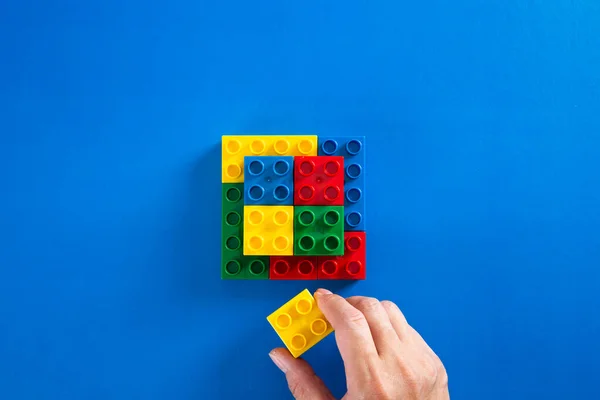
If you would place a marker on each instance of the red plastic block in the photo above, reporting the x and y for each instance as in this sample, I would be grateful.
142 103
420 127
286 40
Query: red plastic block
352 265
293 267
319 181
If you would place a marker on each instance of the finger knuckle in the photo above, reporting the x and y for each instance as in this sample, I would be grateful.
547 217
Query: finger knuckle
355 317
388 305
368 304
412 383
391 307
442 376
430 372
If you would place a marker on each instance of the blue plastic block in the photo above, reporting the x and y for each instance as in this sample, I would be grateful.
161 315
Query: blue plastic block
269 180
352 148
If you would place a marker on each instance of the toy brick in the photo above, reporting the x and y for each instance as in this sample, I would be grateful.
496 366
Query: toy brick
293 268
235 148
352 148
319 181
269 180
318 230
234 265
300 324
269 230
352 265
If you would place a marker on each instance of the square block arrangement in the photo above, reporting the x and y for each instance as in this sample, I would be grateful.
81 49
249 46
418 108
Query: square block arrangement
300 324
290 214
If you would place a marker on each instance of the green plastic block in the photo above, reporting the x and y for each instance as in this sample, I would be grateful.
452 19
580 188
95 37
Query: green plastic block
319 230
234 265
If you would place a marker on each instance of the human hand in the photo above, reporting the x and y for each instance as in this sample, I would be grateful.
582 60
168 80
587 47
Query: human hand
384 357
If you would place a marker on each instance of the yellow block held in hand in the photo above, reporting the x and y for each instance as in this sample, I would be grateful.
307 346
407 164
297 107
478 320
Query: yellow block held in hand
300 324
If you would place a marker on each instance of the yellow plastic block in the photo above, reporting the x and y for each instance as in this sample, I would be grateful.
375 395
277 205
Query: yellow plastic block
300 324
269 230
235 148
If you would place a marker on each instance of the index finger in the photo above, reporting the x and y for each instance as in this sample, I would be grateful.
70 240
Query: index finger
352 332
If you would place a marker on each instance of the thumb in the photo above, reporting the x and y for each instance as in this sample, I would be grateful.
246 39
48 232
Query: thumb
301 378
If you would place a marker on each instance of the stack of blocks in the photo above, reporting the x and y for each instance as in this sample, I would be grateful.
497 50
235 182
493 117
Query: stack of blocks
293 207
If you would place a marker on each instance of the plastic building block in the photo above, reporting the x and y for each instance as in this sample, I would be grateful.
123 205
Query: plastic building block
300 324
319 181
235 148
352 265
352 148
269 230
269 180
318 230
293 267
234 265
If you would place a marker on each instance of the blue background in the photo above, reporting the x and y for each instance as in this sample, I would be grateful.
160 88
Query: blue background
482 121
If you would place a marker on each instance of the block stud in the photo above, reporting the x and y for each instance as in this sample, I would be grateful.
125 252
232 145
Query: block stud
298 342
281 168
281 267
256 243
281 193
318 327
306 147
330 267
354 243
233 218
257 267
234 195
332 167
307 243
353 267
353 195
232 243
283 321
282 146
233 267
303 306
234 171
332 243
353 219
256 192
256 217
257 146
353 171
306 267
256 168
280 243
353 147
329 147
233 146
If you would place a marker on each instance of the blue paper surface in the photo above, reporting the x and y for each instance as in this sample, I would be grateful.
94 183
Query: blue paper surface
483 185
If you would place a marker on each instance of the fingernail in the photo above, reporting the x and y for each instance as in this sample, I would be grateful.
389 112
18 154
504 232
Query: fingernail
278 361
322 292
